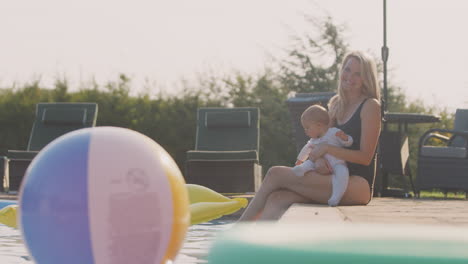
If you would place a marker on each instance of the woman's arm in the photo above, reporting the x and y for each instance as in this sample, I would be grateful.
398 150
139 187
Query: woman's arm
370 131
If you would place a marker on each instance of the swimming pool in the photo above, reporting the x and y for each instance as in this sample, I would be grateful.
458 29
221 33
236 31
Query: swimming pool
196 245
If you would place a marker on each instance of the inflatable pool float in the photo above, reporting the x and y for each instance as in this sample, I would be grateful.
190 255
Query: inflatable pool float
333 243
8 213
205 205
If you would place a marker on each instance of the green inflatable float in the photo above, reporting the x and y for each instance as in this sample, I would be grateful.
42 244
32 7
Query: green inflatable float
338 243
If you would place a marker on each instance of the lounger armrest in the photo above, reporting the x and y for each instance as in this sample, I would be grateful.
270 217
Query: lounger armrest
438 136
435 132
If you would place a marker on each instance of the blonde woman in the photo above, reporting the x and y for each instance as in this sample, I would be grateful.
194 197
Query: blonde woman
355 110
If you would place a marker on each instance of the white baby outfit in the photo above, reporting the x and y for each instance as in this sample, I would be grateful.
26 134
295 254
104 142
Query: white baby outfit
340 175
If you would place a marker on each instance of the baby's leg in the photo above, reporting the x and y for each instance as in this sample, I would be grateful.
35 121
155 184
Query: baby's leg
340 180
300 170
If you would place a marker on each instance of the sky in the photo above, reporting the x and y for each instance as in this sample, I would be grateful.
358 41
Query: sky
158 42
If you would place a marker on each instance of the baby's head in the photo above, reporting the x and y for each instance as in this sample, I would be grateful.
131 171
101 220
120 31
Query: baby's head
315 121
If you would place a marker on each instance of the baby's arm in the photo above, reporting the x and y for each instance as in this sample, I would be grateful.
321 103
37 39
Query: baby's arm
304 153
345 140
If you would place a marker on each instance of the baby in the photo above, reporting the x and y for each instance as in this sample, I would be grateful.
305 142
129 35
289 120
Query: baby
315 121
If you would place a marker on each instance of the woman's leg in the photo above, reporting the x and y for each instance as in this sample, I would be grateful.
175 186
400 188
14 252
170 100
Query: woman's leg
357 193
313 186
278 202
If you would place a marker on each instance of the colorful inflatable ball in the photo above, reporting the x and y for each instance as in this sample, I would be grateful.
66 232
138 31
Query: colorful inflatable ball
103 195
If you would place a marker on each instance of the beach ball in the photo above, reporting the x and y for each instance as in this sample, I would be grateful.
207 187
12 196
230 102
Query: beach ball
103 195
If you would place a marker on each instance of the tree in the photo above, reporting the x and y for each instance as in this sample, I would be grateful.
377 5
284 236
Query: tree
312 64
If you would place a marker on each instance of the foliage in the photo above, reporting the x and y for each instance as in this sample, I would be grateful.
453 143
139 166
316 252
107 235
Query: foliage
436 194
312 65
313 62
266 93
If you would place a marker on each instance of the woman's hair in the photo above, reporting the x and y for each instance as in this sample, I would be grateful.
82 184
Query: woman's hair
370 83
316 113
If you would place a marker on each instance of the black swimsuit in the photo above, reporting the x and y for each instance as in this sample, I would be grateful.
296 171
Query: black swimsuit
353 128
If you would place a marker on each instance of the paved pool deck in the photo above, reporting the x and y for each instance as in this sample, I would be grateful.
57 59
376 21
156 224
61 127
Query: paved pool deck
8 196
453 212
450 212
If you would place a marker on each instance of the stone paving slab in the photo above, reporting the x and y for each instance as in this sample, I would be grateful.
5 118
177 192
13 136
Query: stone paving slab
312 212
386 210
8 196
411 211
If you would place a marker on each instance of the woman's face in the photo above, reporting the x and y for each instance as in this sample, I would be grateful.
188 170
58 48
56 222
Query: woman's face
351 79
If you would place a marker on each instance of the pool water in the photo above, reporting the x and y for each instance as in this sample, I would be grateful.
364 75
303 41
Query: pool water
196 245
198 241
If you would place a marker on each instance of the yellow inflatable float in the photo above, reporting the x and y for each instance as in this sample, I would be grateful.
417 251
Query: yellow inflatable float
8 215
205 205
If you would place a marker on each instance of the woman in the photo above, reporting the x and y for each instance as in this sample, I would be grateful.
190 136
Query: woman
355 110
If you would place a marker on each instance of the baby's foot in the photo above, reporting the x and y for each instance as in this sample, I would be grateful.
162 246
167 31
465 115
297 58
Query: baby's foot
299 171
333 202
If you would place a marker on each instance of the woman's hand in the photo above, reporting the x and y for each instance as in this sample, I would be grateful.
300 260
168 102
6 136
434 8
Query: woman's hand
342 135
323 167
318 151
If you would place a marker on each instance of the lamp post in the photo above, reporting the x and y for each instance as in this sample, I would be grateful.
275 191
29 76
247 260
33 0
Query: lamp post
383 176
384 52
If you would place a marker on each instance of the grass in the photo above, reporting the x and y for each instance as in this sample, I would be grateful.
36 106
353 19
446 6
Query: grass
441 195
